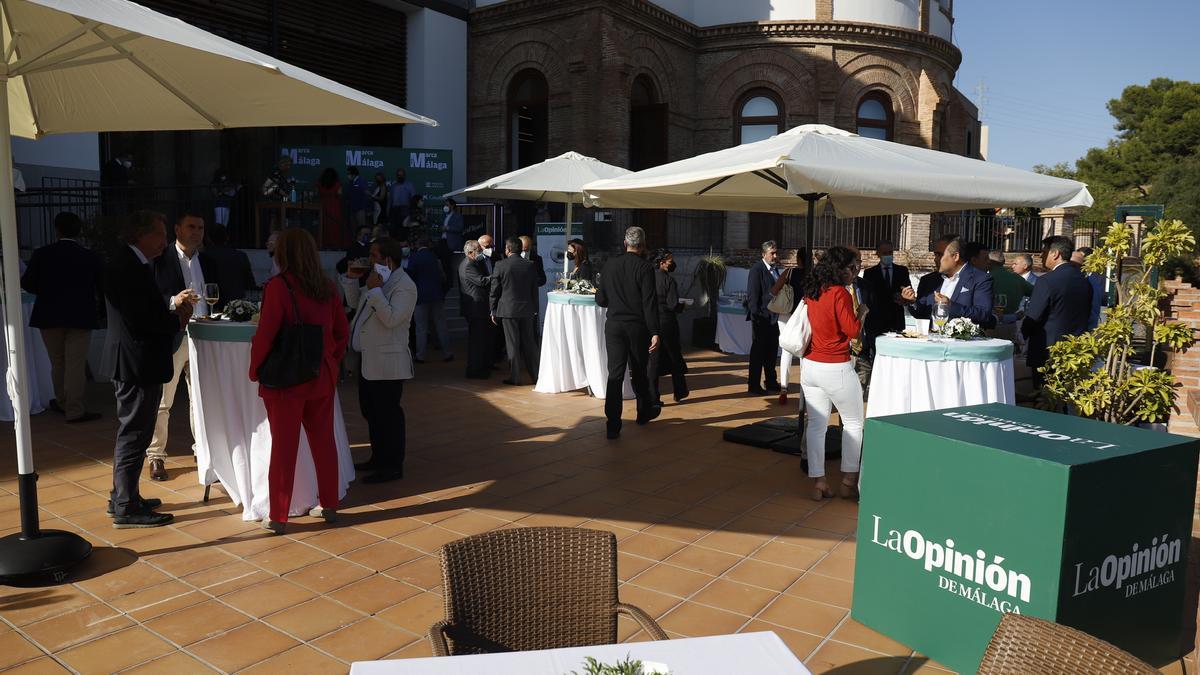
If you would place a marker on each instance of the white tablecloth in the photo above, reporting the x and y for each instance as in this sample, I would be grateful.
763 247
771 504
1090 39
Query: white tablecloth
41 386
574 355
718 655
233 438
966 373
734 334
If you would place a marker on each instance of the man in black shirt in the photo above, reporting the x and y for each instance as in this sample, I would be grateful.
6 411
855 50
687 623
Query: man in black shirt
631 330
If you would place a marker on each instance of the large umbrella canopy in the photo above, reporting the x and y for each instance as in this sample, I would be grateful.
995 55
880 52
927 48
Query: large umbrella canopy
860 176
558 179
112 65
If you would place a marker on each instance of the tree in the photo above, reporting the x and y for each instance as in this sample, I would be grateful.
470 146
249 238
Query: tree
1153 159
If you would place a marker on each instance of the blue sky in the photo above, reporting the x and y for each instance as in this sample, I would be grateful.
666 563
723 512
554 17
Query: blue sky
1050 66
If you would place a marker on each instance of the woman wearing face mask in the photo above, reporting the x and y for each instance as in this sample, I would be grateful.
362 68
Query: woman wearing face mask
578 253
668 358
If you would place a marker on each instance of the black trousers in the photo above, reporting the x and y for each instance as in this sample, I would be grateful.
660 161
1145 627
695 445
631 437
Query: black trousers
628 344
137 410
379 402
667 359
480 345
520 341
764 352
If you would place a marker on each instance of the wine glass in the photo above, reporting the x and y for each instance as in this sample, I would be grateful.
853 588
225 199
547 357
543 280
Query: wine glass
941 314
212 293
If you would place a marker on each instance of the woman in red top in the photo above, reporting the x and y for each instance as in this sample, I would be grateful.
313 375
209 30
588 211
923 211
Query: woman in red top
827 375
309 404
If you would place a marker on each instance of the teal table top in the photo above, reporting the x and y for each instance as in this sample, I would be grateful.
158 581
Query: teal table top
731 309
571 299
979 350
221 331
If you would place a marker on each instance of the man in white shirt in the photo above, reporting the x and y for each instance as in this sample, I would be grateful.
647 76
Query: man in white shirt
181 272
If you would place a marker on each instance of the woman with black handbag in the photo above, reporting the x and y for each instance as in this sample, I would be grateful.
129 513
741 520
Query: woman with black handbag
295 356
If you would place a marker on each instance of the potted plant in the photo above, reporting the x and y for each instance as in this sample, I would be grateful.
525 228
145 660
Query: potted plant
710 276
1095 372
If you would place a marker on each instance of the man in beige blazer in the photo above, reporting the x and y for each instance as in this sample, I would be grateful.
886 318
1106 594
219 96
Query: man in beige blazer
380 334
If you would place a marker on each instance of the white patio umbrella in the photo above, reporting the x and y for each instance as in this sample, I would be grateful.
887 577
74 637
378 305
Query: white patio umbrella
112 65
558 179
859 176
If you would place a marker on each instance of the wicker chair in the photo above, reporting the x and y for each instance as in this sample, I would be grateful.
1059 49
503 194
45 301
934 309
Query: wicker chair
1023 645
531 588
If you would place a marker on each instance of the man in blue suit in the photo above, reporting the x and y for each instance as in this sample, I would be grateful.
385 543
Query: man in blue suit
764 324
1059 306
964 287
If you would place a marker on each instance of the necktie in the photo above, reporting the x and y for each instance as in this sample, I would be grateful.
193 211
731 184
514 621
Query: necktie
775 273
887 274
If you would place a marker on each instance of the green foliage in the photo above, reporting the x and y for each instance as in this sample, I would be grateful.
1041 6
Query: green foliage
1154 160
1094 372
593 667
710 274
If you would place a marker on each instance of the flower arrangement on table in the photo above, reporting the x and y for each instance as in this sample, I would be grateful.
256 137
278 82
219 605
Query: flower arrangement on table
579 287
961 328
627 667
241 310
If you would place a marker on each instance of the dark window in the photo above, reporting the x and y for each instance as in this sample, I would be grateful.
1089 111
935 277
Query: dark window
875 117
529 119
648 130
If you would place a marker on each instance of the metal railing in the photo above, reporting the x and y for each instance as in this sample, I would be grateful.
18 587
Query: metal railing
829 230
1018 234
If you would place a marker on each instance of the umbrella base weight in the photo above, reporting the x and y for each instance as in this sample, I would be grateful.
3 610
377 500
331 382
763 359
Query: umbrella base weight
47 556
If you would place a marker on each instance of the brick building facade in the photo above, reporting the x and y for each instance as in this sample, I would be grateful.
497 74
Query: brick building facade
634 85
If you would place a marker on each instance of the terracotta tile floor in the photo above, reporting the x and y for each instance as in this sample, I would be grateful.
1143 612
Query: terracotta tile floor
713 537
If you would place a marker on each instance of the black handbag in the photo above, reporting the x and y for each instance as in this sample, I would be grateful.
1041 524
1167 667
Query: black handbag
295 356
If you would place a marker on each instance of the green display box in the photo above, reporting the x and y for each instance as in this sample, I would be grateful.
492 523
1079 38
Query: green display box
967 513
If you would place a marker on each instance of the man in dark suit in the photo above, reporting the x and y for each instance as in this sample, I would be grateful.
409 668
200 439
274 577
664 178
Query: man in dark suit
966 289
882 285
473 301
181 273
928 283
514 305
764 324
631 329
66 278
528 254
490 256
143 333
1059 305
231 267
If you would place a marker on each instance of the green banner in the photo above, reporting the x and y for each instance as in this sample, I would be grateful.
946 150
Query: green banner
431 171
973 512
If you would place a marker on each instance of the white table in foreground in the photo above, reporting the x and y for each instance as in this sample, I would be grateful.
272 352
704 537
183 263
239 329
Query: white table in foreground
718 655
574 355
233 438
37 364
917 375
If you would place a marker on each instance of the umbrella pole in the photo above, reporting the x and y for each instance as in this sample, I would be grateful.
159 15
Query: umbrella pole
33 552
567 240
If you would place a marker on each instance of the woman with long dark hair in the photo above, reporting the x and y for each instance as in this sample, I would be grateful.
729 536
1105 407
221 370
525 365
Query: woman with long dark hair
577 252
302 284
333 225
827 374
668 358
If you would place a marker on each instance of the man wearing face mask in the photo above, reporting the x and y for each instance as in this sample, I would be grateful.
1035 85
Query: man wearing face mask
884 283
452 226
487 253
473 290
528 254
380 334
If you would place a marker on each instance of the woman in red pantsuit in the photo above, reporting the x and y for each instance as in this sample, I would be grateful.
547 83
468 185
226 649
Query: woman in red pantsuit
309 404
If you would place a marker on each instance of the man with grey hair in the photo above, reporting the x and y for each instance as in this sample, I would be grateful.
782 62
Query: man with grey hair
764 324
473 300
513 290
1022 265
631 330
142 333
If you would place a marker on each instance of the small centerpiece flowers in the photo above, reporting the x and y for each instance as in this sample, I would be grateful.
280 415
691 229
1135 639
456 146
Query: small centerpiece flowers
961 328
241 310
580 287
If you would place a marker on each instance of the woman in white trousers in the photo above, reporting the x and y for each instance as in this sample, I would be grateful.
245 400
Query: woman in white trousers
827 374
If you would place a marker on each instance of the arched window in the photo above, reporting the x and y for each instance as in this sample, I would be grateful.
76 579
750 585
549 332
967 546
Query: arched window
875 118
648 145
759 116
528 119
